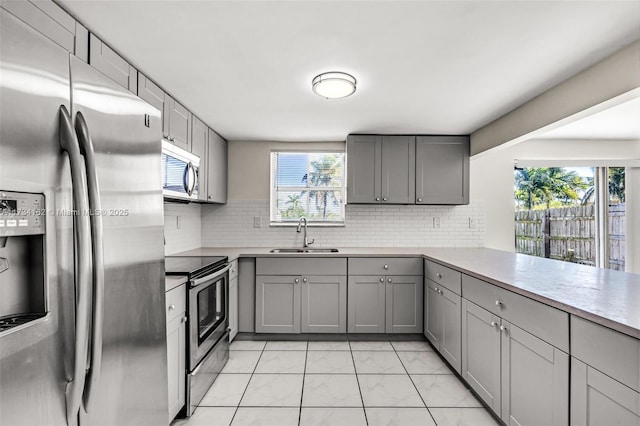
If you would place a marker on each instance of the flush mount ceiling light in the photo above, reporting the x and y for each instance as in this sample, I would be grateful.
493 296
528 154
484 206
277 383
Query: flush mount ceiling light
334 85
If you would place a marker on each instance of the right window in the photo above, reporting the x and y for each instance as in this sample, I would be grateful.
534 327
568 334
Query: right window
575 214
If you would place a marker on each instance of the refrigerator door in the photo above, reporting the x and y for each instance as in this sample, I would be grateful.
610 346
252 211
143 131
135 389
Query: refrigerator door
126 136
36 360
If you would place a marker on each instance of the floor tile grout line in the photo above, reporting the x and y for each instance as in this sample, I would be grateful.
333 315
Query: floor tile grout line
248 383
304 375
415 387
364 410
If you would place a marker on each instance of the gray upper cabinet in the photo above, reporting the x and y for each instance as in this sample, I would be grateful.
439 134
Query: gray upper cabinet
53 22
177 122
199 143
381 169
153 94
442 170
216 169
114 66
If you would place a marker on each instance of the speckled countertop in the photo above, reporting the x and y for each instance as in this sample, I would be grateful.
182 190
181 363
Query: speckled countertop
607 297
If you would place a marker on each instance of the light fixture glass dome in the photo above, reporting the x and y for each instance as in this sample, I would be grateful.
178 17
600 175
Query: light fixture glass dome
334 85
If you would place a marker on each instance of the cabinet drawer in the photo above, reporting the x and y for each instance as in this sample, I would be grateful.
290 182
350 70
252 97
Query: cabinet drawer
176 302
233 271
547 323
446 277
385 266
301 266
613 353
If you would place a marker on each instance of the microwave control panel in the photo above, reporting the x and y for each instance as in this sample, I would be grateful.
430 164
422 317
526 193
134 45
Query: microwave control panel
21 213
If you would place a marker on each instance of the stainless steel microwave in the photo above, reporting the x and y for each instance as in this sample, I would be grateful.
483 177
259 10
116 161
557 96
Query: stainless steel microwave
180 173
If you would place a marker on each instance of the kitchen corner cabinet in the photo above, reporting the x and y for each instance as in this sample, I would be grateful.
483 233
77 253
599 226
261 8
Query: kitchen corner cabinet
442 317
385 295
216 169
296 295
199 142
52 21
114 66
381 169
177 123
442 170
233 300
522 378
176 349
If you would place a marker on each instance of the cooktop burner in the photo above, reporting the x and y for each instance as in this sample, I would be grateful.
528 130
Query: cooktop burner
193 265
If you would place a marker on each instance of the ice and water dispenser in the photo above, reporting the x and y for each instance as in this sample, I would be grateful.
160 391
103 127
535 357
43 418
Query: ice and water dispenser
22 258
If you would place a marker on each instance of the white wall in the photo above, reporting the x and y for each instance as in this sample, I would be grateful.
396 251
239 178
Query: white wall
189 236
492 179
366 225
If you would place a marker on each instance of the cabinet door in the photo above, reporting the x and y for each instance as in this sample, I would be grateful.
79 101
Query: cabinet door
432 315
398 169
153 94
178 121
366 301
324 304
114 66
442 170
535 380
404 304
199 137
364 165
176 366
233 308
599 400
277 304
217 169
481 353
451 339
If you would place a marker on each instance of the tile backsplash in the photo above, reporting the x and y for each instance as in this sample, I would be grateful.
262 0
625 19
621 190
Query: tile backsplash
189 235
232 225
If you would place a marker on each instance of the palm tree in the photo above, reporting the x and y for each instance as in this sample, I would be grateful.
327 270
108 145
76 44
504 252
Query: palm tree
294 209
326 170
616 186
546 184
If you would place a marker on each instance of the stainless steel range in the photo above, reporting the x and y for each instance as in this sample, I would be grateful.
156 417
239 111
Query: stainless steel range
208 321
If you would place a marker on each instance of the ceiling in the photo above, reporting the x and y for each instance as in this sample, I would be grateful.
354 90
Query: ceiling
245 67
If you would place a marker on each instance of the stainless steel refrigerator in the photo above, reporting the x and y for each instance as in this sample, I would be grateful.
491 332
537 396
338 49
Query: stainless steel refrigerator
92 275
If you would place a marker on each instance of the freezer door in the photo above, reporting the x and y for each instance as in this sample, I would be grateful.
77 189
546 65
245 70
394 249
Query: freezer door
126 136
34 83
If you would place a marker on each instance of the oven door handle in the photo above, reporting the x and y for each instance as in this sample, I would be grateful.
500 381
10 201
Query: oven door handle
212 277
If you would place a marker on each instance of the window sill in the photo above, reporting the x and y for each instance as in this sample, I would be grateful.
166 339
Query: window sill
309 225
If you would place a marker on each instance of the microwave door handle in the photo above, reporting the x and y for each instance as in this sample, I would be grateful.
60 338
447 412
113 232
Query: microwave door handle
82 231
97 247
187 180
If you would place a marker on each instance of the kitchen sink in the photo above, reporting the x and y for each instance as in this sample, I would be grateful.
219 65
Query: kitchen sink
304 250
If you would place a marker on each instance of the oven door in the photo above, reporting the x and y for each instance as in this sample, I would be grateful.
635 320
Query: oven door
208 313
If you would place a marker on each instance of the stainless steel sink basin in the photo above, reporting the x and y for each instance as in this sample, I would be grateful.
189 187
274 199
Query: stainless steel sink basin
304 250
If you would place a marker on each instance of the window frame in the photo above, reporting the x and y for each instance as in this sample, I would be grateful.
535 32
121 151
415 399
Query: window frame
273 189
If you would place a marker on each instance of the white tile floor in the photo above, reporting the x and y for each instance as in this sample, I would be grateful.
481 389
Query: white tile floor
337 383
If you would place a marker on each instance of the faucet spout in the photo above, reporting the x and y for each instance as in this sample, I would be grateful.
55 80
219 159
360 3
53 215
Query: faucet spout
302 223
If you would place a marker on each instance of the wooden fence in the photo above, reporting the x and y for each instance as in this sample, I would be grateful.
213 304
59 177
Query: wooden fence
570 234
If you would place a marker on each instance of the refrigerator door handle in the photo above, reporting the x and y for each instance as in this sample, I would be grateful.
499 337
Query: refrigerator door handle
82 231
97 233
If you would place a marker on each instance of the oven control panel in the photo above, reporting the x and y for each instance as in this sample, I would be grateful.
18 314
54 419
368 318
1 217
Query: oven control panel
21 213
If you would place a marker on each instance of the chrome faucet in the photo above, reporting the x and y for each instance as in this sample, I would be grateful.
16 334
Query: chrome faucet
303 222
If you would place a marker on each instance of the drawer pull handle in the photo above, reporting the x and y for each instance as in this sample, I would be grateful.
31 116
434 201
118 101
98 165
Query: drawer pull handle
389 280
381 280
498 303
439 275
503 328
386 266
384 199
437 290
419 200
441 292
377 198
172 307
493 323
297 280
304 280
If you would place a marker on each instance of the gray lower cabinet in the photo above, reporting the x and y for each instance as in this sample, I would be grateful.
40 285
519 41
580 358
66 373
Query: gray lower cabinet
301 302
385 304
442 170
381 169
599 400
442 326
199 142
176 348
277 304
177 123
216 168
522 378
233 300
114 66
